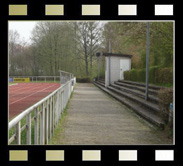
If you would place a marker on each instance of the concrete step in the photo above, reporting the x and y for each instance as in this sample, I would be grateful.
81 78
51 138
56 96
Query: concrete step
136 87
145 113
141 84
135 92
100 83
146 104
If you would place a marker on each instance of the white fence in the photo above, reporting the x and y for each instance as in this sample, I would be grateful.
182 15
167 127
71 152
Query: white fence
45 114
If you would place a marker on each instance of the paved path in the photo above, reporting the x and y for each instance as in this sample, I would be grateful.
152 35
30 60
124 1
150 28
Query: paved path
95 118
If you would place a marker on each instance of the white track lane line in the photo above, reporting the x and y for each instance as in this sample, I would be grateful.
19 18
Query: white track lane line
13 84
24 87
36 87
31 95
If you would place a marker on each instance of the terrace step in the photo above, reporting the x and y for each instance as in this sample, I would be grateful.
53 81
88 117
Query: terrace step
147 114
141 84
137 87
102 81
135 92
142 102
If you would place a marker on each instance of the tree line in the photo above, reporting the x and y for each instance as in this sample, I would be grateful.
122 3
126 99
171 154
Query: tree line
72 46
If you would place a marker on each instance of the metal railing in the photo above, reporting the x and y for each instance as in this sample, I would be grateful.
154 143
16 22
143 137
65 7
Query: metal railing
45 114
65 76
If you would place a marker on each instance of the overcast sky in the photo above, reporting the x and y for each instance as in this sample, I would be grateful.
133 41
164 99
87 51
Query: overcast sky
24 28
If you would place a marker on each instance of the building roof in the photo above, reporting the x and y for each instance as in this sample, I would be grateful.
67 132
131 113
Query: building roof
120 55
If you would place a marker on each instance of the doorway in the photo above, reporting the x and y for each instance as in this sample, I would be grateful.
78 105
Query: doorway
124 66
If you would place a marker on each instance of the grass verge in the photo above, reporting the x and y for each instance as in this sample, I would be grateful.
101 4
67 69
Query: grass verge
59 129
23 133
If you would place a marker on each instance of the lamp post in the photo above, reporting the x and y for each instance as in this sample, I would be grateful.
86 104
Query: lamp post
110 51
98 56
147 62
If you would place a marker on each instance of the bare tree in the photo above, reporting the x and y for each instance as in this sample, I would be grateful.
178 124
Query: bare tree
89 37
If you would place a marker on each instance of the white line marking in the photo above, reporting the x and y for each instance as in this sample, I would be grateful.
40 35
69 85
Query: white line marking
13 84
31 94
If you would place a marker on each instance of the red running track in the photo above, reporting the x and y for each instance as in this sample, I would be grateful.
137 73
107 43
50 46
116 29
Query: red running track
24 95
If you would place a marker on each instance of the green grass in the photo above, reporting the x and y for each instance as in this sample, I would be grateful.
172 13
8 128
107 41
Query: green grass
168 85
59 127
23 133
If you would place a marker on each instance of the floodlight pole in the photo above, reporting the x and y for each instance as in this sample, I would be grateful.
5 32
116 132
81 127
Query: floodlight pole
110 62
147 62
98 69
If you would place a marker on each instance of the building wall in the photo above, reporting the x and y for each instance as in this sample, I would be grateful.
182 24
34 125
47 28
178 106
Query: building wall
115 69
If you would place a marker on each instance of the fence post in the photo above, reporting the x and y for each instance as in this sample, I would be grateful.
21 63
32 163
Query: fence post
60 109
46 122
36 130
62 103
57 102
51 118
29 129
18 133
42 124
53 106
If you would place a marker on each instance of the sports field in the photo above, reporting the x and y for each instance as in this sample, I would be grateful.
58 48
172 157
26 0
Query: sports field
24 95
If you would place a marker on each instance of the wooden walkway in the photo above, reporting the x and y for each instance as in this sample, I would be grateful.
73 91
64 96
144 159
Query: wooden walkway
95 118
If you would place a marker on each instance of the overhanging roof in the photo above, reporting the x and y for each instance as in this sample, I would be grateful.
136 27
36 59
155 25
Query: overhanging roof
120 55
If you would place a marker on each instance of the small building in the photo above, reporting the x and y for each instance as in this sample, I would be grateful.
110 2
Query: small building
115 65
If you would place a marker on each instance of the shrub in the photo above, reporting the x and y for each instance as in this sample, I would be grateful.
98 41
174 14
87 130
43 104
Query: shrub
83 80
141 75
164 75
157 75
165 98
153 71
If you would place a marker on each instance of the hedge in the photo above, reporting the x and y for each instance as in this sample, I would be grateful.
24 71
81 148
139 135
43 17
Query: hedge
157 75
165 98
83 80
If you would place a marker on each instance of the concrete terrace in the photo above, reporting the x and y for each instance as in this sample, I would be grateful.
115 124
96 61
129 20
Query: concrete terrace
95 118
